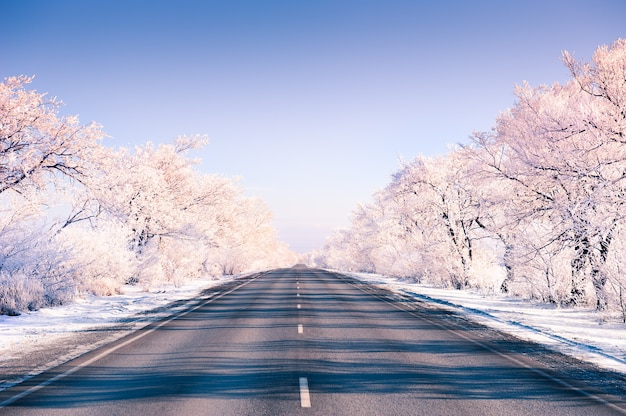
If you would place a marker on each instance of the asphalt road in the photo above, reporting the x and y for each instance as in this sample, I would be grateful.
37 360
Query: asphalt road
303 341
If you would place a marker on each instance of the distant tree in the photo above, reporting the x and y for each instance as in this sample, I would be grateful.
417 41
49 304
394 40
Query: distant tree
182 223
434 203
426 224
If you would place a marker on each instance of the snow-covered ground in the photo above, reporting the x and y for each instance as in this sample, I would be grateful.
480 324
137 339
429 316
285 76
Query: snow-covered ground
43 326
582 333
577 332
31 343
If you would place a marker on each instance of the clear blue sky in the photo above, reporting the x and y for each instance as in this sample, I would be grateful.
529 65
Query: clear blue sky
312 103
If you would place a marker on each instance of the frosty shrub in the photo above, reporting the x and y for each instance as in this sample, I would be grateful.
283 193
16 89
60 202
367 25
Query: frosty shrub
42 277
19 293
99 255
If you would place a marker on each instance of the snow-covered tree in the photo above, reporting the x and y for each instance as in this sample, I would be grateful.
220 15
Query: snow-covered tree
542 195
562 152
37 145
425 225
180 222
41 154
76 216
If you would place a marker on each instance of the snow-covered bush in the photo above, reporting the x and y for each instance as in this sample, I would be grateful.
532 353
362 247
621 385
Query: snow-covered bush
40 274
100 256
19 293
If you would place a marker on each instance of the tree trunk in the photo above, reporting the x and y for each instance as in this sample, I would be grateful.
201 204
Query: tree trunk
508 266
578 264
598 275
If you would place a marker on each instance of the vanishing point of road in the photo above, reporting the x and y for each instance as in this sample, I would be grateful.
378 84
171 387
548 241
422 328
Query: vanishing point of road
309 342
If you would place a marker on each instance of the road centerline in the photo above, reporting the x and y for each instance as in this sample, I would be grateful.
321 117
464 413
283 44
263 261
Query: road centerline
305 397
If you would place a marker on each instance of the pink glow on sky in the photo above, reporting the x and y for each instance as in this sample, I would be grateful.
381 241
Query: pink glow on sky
312 103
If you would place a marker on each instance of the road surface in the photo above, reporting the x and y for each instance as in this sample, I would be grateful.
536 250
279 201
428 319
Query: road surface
304 341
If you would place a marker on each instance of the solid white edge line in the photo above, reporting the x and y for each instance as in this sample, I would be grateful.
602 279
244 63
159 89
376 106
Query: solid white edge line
110 350
305 397
536 370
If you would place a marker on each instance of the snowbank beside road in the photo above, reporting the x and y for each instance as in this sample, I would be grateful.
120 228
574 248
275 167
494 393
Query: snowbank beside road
35 341
581 333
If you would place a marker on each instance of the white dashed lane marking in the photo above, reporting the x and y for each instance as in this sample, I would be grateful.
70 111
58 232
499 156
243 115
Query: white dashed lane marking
305 397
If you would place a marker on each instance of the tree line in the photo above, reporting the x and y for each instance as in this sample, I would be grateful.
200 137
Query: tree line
533 208
80 217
